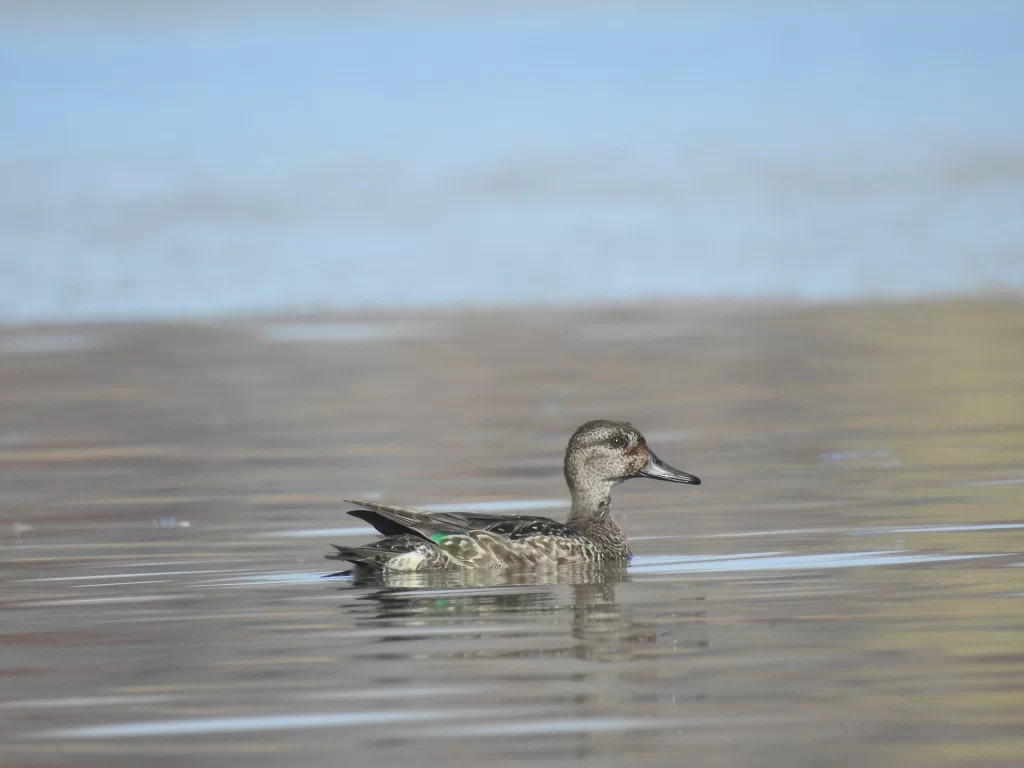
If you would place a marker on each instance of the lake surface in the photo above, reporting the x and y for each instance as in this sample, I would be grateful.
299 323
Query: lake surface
845 588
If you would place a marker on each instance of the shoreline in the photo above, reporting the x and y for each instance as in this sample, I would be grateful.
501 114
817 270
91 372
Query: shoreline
596 308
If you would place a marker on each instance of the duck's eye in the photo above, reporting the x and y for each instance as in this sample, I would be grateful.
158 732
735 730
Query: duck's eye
617 442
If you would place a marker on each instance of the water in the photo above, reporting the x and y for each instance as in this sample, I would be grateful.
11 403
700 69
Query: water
163 160
845 587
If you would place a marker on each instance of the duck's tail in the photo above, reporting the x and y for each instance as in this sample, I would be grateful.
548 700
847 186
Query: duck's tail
363 557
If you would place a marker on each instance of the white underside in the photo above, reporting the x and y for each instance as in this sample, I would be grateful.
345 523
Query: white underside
410 561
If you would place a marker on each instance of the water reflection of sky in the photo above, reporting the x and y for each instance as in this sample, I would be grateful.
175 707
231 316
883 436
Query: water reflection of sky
336 160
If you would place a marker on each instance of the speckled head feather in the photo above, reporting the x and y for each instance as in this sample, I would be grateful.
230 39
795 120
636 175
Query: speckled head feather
604 452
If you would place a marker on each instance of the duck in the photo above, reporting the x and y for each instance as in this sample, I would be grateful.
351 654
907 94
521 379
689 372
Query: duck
600 455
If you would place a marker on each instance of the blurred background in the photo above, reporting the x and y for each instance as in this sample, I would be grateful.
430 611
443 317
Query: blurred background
167 159
259 257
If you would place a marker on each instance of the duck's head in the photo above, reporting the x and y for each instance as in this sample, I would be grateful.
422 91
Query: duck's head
603 453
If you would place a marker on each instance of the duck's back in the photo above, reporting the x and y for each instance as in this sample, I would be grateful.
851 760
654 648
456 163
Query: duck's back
417 539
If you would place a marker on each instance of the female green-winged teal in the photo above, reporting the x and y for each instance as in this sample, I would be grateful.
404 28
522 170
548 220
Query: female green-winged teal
600 455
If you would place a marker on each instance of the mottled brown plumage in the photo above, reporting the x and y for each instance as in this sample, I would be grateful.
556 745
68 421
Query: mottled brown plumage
600 455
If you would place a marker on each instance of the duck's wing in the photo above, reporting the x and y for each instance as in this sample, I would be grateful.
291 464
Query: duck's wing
519 526
397 521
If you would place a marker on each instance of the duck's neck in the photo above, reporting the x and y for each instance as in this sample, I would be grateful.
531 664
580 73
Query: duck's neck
591 504
592 515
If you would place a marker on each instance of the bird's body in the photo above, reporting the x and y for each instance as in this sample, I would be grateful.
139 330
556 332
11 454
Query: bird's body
421 540
600 454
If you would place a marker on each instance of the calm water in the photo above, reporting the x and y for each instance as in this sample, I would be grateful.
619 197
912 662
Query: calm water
846 588
163 160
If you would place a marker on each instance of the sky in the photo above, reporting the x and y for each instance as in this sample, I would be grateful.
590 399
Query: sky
186 164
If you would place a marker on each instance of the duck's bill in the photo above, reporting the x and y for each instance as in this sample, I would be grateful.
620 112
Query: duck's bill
656 469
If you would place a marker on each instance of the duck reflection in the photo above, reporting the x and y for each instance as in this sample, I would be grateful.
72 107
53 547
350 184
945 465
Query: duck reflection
503 613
